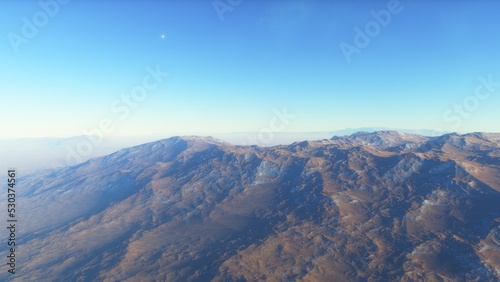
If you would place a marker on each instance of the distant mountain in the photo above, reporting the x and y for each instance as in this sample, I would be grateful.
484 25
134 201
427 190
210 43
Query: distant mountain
424 132
286 138
381 139
383 206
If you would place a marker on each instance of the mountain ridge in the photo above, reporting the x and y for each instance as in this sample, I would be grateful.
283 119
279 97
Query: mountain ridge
196 209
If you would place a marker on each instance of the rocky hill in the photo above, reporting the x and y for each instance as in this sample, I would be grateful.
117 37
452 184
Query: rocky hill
382 206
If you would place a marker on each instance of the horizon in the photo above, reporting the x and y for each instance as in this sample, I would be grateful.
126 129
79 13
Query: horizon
296 66
242 138
340 132
181 134
37 154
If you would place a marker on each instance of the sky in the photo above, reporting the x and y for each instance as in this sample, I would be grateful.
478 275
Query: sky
124 68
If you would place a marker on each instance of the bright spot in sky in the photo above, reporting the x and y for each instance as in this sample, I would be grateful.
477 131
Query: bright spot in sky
163 36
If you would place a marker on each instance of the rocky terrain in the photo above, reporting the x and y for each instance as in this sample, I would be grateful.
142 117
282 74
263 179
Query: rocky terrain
382 206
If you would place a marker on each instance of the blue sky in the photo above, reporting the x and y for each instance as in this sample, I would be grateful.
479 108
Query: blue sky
231 74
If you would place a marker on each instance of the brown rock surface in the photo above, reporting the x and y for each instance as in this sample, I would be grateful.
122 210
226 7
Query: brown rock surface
379 206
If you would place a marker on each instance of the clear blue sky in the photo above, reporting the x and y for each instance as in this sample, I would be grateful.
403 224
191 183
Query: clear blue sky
229 75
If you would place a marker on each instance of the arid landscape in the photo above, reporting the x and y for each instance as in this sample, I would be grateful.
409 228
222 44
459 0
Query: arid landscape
238 140
383 206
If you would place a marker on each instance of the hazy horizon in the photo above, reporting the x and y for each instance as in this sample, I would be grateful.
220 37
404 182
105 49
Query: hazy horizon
341 132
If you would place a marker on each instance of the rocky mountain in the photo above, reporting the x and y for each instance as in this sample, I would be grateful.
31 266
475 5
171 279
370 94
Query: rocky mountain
383 206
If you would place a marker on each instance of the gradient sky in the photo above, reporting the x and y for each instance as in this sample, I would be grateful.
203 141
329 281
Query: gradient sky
231 75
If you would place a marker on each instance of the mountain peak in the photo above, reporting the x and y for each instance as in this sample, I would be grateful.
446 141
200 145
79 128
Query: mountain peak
198 139
380 139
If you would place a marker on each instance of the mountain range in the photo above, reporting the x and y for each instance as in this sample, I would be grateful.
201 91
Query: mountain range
381 206
36 154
